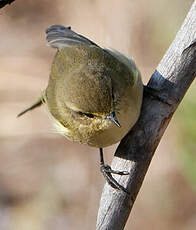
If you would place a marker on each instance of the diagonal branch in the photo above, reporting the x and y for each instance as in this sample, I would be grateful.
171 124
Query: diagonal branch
5 2
171 80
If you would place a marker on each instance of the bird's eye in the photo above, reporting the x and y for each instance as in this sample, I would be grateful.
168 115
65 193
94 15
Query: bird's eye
90 115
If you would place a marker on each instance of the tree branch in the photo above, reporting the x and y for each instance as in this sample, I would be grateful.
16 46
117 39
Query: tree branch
171 80
5 2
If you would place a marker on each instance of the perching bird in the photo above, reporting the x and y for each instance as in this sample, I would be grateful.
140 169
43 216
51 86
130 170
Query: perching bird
93 94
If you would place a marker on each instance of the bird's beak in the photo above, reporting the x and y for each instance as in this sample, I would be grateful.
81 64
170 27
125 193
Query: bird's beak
112 117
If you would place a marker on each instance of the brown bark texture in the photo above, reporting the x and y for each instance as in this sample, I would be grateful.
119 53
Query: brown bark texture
168 84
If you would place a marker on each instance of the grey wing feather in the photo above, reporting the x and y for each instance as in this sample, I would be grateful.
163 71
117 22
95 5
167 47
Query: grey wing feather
59 36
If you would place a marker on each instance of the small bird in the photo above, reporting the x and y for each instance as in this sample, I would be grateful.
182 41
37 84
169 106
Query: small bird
94 95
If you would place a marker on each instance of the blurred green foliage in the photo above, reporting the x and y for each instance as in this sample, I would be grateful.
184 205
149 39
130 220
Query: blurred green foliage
186 116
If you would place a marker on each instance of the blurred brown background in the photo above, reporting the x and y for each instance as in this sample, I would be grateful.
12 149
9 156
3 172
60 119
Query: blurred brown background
47 182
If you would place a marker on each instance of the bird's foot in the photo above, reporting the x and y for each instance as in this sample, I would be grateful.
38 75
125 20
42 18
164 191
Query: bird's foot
107 172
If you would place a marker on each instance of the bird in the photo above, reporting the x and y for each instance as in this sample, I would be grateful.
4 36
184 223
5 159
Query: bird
94 94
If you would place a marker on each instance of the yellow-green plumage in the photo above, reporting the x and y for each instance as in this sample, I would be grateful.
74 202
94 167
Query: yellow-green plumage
87 84
83 79
93 94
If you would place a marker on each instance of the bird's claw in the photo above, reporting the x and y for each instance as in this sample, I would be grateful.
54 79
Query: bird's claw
107 172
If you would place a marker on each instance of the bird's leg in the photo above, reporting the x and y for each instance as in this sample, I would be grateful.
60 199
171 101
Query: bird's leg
107 173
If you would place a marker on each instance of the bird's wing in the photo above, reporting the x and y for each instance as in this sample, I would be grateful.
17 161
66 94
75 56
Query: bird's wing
59 36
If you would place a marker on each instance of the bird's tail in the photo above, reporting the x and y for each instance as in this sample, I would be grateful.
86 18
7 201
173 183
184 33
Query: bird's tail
59 36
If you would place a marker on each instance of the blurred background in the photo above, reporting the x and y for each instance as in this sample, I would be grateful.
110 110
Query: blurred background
48 182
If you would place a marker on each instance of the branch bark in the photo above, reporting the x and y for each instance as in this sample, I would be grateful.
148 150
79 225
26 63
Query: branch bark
5 2
171 80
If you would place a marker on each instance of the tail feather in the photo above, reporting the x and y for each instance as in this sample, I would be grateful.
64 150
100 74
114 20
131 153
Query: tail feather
59 36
